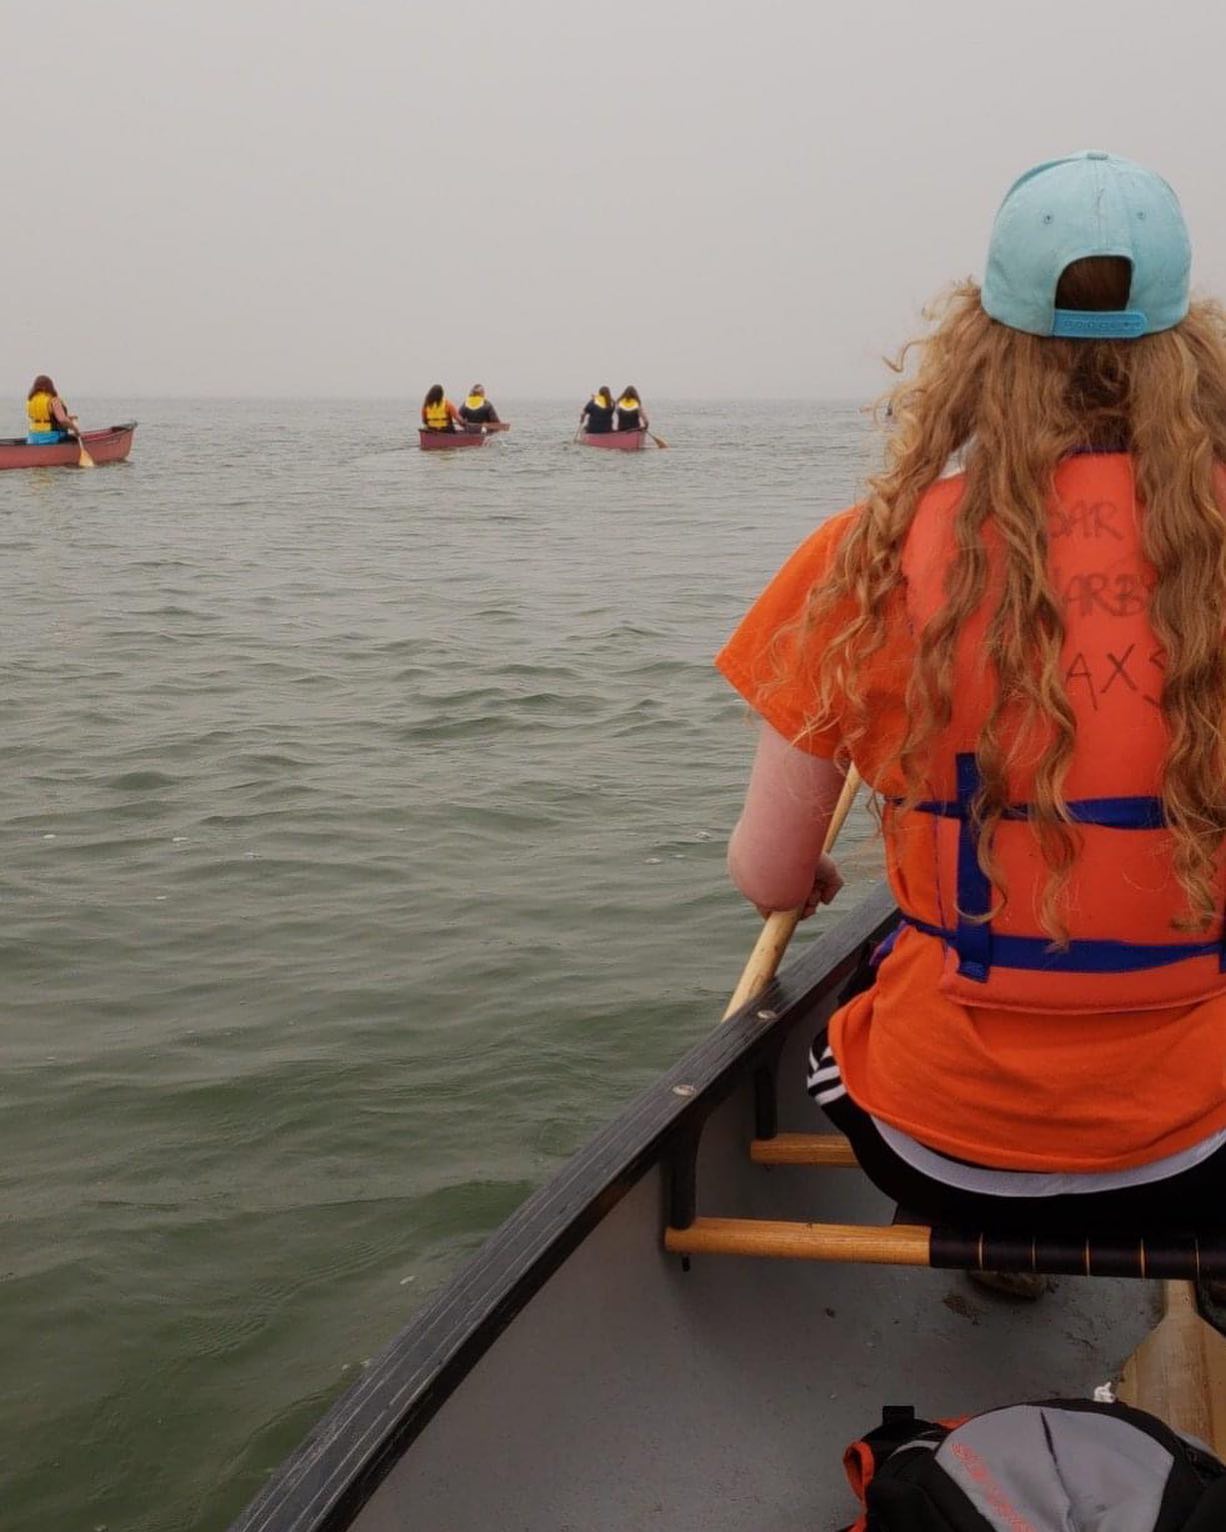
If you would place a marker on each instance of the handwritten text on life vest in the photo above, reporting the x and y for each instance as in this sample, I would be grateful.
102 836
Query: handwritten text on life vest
1113 592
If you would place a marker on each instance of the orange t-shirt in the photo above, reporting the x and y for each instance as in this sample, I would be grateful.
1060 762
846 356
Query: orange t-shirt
1014 1090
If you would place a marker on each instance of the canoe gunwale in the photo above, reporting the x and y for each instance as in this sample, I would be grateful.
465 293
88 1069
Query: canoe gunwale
86 436
324 1484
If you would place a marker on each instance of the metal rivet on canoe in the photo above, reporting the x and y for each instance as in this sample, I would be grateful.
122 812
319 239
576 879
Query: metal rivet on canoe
684 1090
768 1015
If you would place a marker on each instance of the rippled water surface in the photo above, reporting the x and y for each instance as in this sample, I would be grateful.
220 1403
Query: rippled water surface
363 819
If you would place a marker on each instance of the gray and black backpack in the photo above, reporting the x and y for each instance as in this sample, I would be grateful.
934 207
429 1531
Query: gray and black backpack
1060 1465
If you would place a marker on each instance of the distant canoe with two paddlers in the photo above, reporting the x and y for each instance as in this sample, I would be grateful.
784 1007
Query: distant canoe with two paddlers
111 445
477 436
618 441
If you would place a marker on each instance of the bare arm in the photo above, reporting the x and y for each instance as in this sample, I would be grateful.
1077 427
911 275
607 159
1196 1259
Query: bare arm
775 854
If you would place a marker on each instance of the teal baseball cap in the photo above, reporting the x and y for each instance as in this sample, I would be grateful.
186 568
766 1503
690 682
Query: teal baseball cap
1090 203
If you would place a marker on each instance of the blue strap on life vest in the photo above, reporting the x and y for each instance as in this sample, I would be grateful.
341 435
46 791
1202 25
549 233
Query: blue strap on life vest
884 947
973 938
1096 956
1110 813
979 947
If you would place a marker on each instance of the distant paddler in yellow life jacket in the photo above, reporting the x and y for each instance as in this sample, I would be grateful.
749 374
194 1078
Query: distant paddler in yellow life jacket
631 416
437 411
477 411
47 417
596 417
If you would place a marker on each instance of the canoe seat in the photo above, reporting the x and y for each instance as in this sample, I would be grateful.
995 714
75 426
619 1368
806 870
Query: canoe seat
829 1149
911 1243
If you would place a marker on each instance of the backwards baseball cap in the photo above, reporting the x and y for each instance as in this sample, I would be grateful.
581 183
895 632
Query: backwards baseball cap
1091 203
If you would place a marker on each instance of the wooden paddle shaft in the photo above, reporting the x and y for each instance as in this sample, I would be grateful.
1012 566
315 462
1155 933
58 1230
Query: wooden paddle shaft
84 460
777 932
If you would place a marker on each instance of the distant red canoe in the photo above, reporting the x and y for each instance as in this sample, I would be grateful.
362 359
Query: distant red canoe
619 441
109 446
475 436
445 441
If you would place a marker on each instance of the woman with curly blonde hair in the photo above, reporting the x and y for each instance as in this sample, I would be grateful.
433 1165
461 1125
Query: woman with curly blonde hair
1019 639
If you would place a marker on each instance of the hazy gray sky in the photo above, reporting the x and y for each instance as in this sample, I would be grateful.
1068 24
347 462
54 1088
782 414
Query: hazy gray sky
307 197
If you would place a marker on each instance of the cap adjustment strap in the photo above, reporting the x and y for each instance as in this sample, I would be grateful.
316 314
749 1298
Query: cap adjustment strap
1092 324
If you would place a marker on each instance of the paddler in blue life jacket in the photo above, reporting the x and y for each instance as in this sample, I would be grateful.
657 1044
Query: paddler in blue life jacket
477 409
47 416
631 416
597 416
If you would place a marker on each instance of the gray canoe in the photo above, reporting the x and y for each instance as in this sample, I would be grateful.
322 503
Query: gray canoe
574 1376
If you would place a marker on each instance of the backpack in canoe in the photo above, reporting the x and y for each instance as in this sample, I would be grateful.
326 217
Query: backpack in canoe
1062 1465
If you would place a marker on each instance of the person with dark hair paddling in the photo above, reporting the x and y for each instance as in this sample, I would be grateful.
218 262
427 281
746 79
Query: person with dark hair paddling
47 416
1018 640
437 411
631 415
596 417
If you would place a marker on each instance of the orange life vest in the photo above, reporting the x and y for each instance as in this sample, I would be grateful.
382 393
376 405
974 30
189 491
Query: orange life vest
1125 950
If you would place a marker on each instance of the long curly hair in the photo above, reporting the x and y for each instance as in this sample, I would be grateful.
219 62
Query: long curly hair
1009 407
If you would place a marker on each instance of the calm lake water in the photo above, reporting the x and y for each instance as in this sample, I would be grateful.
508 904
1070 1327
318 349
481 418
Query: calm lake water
363 816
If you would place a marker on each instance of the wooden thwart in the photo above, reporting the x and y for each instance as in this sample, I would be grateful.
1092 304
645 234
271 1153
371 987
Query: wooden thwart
1057 1254
888 1245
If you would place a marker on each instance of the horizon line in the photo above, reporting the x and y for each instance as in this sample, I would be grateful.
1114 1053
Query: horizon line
732 398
